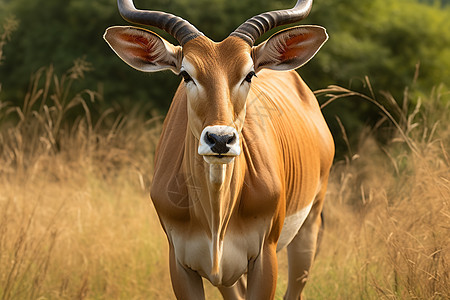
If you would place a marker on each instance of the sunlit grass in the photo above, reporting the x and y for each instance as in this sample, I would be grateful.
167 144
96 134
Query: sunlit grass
76 220
387 211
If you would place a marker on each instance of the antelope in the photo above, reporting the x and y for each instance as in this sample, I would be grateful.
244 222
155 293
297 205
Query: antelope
242 165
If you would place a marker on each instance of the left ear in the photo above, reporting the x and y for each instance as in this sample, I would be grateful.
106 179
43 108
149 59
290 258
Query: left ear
143 50
290 48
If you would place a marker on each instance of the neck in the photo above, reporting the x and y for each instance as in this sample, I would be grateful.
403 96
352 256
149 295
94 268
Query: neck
213 195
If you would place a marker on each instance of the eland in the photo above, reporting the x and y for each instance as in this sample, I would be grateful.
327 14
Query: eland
242 165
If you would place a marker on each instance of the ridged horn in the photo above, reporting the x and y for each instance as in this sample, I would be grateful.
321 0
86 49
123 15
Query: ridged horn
254 27
180 29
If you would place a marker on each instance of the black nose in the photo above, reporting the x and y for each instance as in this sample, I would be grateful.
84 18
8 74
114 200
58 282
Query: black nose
219 143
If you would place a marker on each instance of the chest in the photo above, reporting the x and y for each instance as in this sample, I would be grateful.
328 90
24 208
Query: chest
194 249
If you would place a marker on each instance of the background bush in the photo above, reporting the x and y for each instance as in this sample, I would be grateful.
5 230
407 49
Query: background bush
398 43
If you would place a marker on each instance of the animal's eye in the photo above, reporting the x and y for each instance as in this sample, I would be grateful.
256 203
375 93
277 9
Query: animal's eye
186 76
249 76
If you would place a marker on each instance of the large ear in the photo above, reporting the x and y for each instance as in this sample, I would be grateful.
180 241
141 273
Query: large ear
143 50
290 48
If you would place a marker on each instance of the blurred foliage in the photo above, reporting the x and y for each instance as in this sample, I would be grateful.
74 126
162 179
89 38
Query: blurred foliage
396 43
9 25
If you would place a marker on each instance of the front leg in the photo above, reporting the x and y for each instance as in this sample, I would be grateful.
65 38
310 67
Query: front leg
186 283
262 274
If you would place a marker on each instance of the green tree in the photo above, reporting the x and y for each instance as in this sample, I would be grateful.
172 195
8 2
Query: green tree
384 40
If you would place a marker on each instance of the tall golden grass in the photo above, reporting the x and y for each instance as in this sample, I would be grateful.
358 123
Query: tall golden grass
74 210
387 213
76 221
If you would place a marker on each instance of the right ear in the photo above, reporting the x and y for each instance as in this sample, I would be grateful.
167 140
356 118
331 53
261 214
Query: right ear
143 50
290 48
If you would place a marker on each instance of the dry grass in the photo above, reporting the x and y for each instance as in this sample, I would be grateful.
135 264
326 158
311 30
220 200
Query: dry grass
75 216
76 221
387 213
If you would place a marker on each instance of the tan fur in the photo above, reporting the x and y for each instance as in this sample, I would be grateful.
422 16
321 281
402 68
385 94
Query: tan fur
287 151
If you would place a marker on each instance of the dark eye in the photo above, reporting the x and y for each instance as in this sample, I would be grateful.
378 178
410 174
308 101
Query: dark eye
186 76
249 76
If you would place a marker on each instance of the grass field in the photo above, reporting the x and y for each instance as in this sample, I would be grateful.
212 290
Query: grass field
76 221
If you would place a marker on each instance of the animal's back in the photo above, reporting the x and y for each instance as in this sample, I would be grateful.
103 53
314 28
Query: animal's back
283 110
